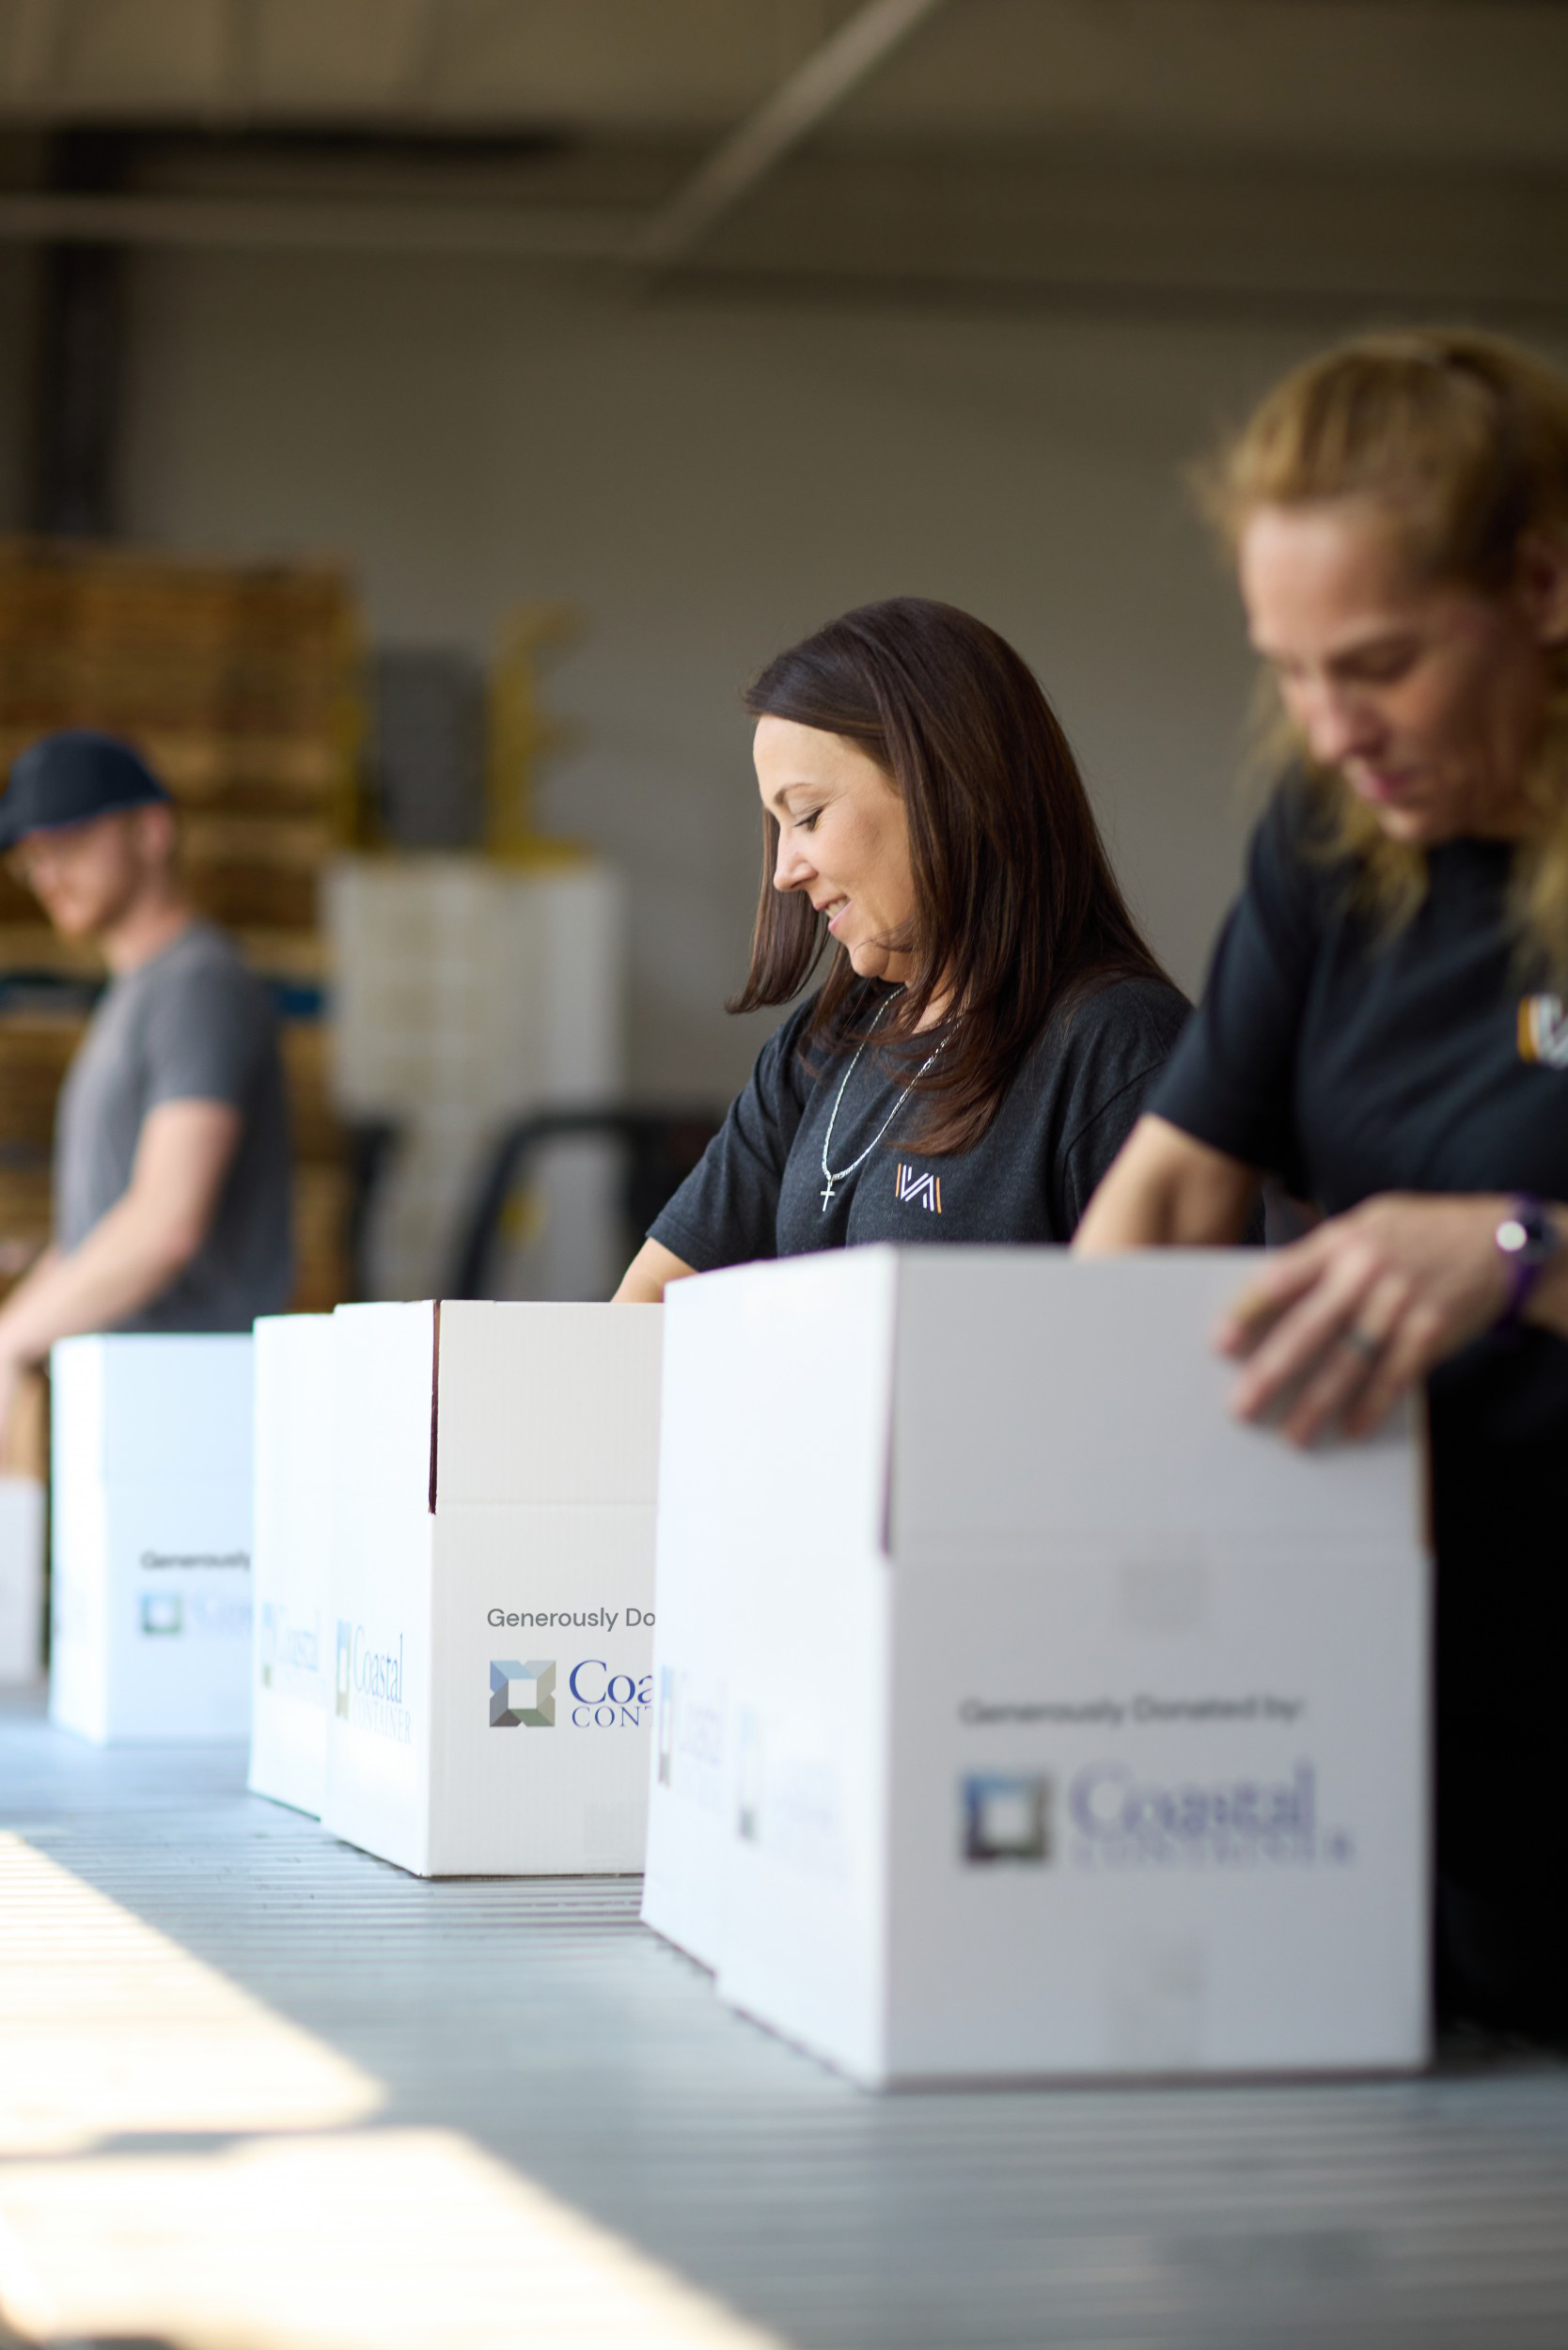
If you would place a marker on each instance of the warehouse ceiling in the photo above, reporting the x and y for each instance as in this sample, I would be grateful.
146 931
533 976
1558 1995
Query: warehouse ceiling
1439 79
1247 149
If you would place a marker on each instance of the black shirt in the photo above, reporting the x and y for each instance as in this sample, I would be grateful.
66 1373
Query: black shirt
759 1189
1351 1061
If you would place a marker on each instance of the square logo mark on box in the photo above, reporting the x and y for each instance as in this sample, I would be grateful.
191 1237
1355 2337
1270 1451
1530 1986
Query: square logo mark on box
162 1614
268 1642
1006 1818
344 1680
523 1694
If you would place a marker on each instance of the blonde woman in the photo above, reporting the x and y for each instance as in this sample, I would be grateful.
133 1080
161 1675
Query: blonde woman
1385 1028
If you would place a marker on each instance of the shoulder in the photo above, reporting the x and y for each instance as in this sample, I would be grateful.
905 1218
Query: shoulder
1132 1012
202 1013
1109 1033
204 963
1106 1043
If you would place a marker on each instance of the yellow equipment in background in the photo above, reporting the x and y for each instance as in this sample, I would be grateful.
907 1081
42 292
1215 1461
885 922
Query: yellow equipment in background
519 736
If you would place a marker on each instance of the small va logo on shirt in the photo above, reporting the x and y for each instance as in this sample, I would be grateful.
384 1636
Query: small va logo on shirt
921 1191
1543 1030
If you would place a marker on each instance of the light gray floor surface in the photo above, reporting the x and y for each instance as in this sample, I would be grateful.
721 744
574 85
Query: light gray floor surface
542 2020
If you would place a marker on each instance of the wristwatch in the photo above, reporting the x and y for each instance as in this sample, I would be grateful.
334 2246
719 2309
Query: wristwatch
1528 1240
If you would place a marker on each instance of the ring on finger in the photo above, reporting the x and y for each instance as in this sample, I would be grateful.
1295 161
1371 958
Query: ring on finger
1363 1344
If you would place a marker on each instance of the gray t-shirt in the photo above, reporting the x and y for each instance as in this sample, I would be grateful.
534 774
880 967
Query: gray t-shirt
757 1192
191 1026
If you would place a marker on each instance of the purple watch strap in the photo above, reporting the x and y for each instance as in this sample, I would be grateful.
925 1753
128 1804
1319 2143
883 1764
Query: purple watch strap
1524 1266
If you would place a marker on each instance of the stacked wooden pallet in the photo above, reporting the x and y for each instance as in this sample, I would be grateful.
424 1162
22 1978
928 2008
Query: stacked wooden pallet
36 1045
239 685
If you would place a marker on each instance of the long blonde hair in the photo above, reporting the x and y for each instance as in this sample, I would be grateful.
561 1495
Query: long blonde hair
1463 437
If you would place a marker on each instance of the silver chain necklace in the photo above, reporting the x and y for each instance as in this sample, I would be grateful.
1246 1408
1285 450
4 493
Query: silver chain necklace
845 1172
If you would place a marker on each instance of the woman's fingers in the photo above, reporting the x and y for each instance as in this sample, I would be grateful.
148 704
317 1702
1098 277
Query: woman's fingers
1293 1351
1353 1362
1416 1344
1339 1326
1288 1275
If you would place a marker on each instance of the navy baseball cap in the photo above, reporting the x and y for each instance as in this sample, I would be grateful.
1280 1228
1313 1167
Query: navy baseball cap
69 778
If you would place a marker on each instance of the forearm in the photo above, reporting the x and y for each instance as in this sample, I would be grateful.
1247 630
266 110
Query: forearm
650 1273
1165 1190
124 1262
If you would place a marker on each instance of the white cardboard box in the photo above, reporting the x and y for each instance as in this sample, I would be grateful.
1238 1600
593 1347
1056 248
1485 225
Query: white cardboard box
291 1558
1021 1712
21 1580
151 1453
493 1582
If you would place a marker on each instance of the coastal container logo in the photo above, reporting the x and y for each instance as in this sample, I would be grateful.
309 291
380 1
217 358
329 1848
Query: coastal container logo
1114 1818
1006 1818
290 1655
162 1615
368 1685
523 1696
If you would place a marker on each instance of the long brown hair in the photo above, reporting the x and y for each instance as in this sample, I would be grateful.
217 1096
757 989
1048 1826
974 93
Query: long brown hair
1463 439
1017 908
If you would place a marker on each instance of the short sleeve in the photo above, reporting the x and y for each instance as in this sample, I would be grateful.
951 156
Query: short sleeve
1119 1042
1231 1081
208 1029
727 1209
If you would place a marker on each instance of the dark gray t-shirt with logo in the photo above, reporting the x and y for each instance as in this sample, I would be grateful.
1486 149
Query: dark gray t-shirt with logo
759 1189
1355 1059
191 1026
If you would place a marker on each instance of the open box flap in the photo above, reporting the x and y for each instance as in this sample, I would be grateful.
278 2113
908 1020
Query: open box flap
295 1402
784 1372
1042 1394
544 1403
383 1379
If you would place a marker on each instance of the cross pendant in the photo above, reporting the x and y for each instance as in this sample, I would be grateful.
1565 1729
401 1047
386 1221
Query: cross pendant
828 1194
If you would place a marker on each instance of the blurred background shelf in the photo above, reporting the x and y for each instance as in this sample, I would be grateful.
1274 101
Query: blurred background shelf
366 830
242 686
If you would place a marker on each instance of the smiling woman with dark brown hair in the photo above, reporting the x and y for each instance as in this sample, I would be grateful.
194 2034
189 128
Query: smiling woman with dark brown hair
991 1017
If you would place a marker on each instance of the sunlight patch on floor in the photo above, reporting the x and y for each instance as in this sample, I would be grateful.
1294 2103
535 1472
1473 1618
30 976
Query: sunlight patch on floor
108 2026
367 2240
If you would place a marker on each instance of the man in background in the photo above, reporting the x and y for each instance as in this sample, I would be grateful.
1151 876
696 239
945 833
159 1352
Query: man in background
171 1147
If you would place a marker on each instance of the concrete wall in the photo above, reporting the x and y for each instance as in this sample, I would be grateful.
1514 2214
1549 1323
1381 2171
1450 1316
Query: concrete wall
707 482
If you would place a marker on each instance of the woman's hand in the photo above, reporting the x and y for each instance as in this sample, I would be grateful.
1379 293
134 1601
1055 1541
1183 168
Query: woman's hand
650 1273
1339 1326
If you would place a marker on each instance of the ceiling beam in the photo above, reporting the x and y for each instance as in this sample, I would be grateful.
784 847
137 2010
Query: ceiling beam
800 104
260 224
